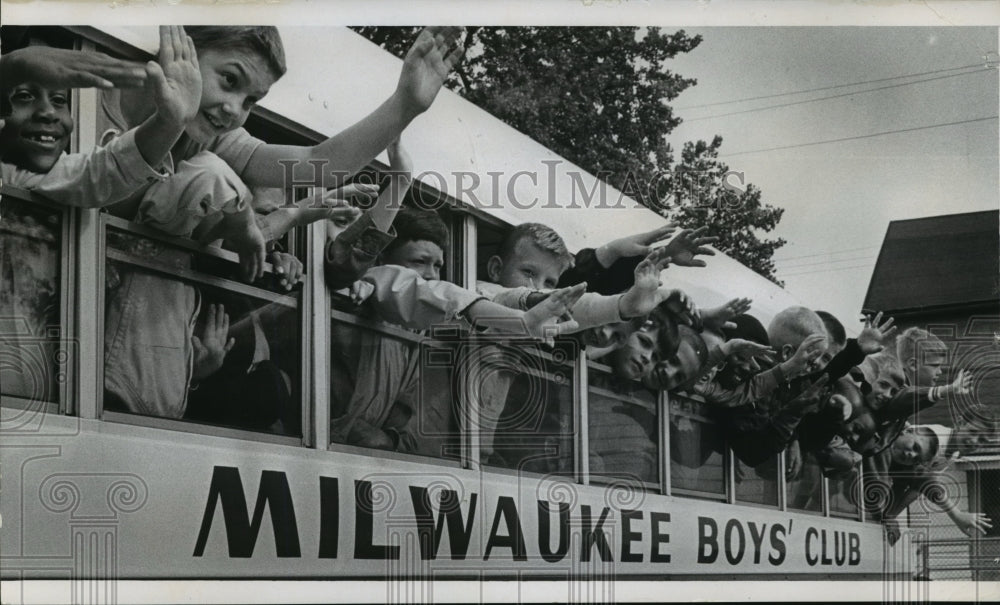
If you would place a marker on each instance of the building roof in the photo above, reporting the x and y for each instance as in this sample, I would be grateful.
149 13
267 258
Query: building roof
937 262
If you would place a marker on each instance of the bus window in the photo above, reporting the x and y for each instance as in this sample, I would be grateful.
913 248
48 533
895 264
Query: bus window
31 289
531 428
696 450
488 240
624 437
757 485
844 493
805 492
168 352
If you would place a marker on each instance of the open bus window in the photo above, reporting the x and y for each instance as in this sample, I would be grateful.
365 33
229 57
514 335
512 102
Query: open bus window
759 484
805 492
31 331
624 425
696 449
168 352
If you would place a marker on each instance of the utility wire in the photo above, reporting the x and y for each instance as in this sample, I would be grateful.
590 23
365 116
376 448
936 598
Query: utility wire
828 262
845 94
795 92
825 253
864 136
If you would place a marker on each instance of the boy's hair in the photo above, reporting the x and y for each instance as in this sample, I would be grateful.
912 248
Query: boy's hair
667 335
540 235
834 328
793 325
686 333
913 340
262 40
887 365
749 328
414 225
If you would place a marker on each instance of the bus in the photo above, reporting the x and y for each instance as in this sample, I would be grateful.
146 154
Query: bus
588 479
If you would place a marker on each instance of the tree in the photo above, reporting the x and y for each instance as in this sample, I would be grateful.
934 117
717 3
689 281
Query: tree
599 97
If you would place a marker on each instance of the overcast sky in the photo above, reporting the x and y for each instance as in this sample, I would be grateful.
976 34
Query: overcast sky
839 197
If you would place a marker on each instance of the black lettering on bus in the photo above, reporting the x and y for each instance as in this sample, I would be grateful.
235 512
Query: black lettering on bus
241 532
777 544
655 519
811 534
329 517
514 540
450 511
824 553
757 535
594 535
364 526
629 536
839 548
853 549
544 532
708 533
736 557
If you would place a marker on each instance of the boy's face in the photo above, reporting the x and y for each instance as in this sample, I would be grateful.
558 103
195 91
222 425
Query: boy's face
231 84
37 130
529 266
885 387
788 350
928 372
858 431
608 336
911 448
635 359
424 257
832 349
669 373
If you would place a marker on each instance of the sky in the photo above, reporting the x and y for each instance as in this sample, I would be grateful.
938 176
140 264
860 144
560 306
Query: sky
839 197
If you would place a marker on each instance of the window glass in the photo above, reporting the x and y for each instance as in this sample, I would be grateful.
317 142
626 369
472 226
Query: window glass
624 423
696 446
843 495
759 484
805 491
33 352
186 339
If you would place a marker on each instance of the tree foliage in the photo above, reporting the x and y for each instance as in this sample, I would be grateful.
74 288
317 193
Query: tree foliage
599 97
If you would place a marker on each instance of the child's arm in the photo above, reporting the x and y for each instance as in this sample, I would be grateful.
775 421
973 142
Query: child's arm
912 399
424 71
592 265
690 243
176 84
871 340
356 249
56 68
717 318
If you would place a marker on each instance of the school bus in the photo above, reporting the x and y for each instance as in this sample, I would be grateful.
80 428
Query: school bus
629 484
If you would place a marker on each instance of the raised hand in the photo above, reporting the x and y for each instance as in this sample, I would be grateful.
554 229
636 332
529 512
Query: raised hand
875 335
690 243
640 244
426 67
543 321
972 522
287 269
809 398
747 350
962 384
681 305
176 79
644 295
717 318
57 68
810 349
211 348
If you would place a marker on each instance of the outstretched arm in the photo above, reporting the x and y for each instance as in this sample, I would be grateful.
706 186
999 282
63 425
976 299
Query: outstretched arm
56 68
424 71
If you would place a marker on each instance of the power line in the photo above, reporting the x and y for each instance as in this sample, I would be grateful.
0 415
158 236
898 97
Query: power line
826 270
828 262
795 92
826 253
845 94
864 136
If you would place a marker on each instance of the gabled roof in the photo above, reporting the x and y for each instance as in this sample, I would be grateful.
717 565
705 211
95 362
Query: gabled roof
937 262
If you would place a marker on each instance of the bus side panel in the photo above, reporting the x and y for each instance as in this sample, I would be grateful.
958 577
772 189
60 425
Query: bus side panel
123 501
